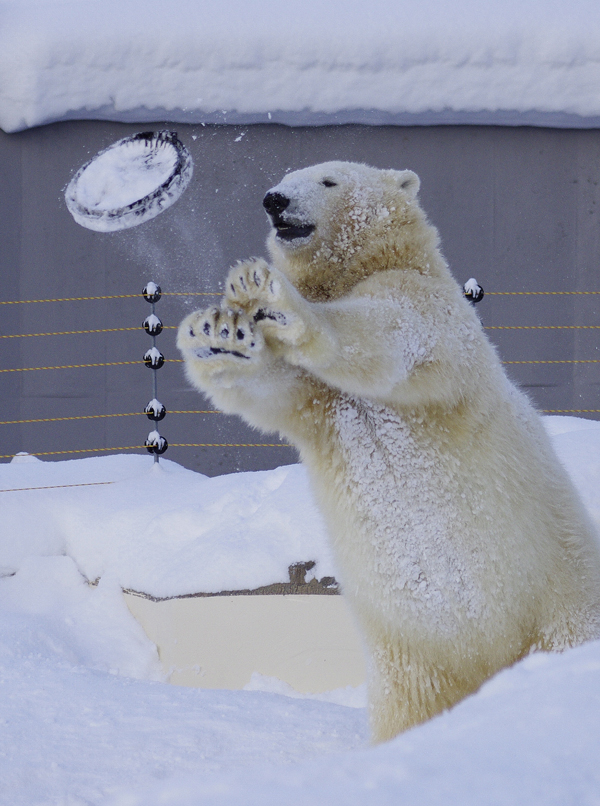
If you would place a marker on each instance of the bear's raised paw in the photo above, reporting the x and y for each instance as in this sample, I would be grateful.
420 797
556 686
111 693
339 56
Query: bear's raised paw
219 333
251 283
265 296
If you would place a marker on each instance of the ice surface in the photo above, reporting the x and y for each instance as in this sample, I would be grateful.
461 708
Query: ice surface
515 62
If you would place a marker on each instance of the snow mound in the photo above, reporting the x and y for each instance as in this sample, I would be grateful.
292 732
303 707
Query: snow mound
50 613
161 529
85 719
530 735
350 696
167 531
70 736
577 444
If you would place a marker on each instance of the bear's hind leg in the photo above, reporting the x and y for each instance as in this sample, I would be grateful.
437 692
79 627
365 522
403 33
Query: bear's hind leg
405 690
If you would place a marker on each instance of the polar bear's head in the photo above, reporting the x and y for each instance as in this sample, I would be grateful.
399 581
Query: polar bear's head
328 219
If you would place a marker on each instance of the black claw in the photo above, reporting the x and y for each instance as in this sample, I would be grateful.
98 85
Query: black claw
240 334
206 328
275 316
220 351
257 278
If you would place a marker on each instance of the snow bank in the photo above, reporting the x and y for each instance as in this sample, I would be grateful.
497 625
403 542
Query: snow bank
516 62
80 715
74 737
161 529
167 531
76 727
49 613
577 443
530 735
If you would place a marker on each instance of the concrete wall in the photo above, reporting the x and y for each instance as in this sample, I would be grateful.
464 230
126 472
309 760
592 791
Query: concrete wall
516 207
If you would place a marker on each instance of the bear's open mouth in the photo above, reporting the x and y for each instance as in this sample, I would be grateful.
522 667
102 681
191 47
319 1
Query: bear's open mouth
290 231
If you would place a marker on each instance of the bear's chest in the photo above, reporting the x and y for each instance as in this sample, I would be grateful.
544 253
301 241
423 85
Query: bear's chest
390 459
399 494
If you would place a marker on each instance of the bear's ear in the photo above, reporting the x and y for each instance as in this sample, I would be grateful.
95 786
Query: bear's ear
408 182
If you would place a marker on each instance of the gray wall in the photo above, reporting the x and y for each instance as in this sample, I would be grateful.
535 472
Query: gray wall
516 207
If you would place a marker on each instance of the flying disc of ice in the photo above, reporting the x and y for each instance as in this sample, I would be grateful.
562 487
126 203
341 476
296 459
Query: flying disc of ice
130 182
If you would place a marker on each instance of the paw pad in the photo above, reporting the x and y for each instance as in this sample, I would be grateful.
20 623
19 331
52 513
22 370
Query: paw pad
220 332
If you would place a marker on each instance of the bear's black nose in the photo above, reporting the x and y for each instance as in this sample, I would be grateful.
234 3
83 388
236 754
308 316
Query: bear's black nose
275 203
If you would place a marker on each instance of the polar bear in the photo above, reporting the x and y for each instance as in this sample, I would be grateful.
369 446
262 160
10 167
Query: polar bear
460 541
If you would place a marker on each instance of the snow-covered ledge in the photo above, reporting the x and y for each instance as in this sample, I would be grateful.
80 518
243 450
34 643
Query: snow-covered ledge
518 62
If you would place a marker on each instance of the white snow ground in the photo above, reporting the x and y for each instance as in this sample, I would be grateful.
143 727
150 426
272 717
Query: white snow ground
530 736
470 61
85 718
162 529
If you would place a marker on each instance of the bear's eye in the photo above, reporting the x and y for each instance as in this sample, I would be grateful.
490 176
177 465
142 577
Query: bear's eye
329 183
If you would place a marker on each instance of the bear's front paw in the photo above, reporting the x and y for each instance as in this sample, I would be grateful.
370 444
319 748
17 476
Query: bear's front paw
265 296
251 282
217 335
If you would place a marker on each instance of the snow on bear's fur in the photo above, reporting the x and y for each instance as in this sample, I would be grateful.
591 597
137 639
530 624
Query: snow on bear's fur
461 543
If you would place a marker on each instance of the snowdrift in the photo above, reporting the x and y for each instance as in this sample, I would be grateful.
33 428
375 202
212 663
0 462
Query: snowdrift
85 718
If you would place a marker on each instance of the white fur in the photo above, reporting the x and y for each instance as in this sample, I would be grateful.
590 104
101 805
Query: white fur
461 542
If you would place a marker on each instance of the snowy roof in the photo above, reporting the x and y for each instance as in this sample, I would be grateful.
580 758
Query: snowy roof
242 61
